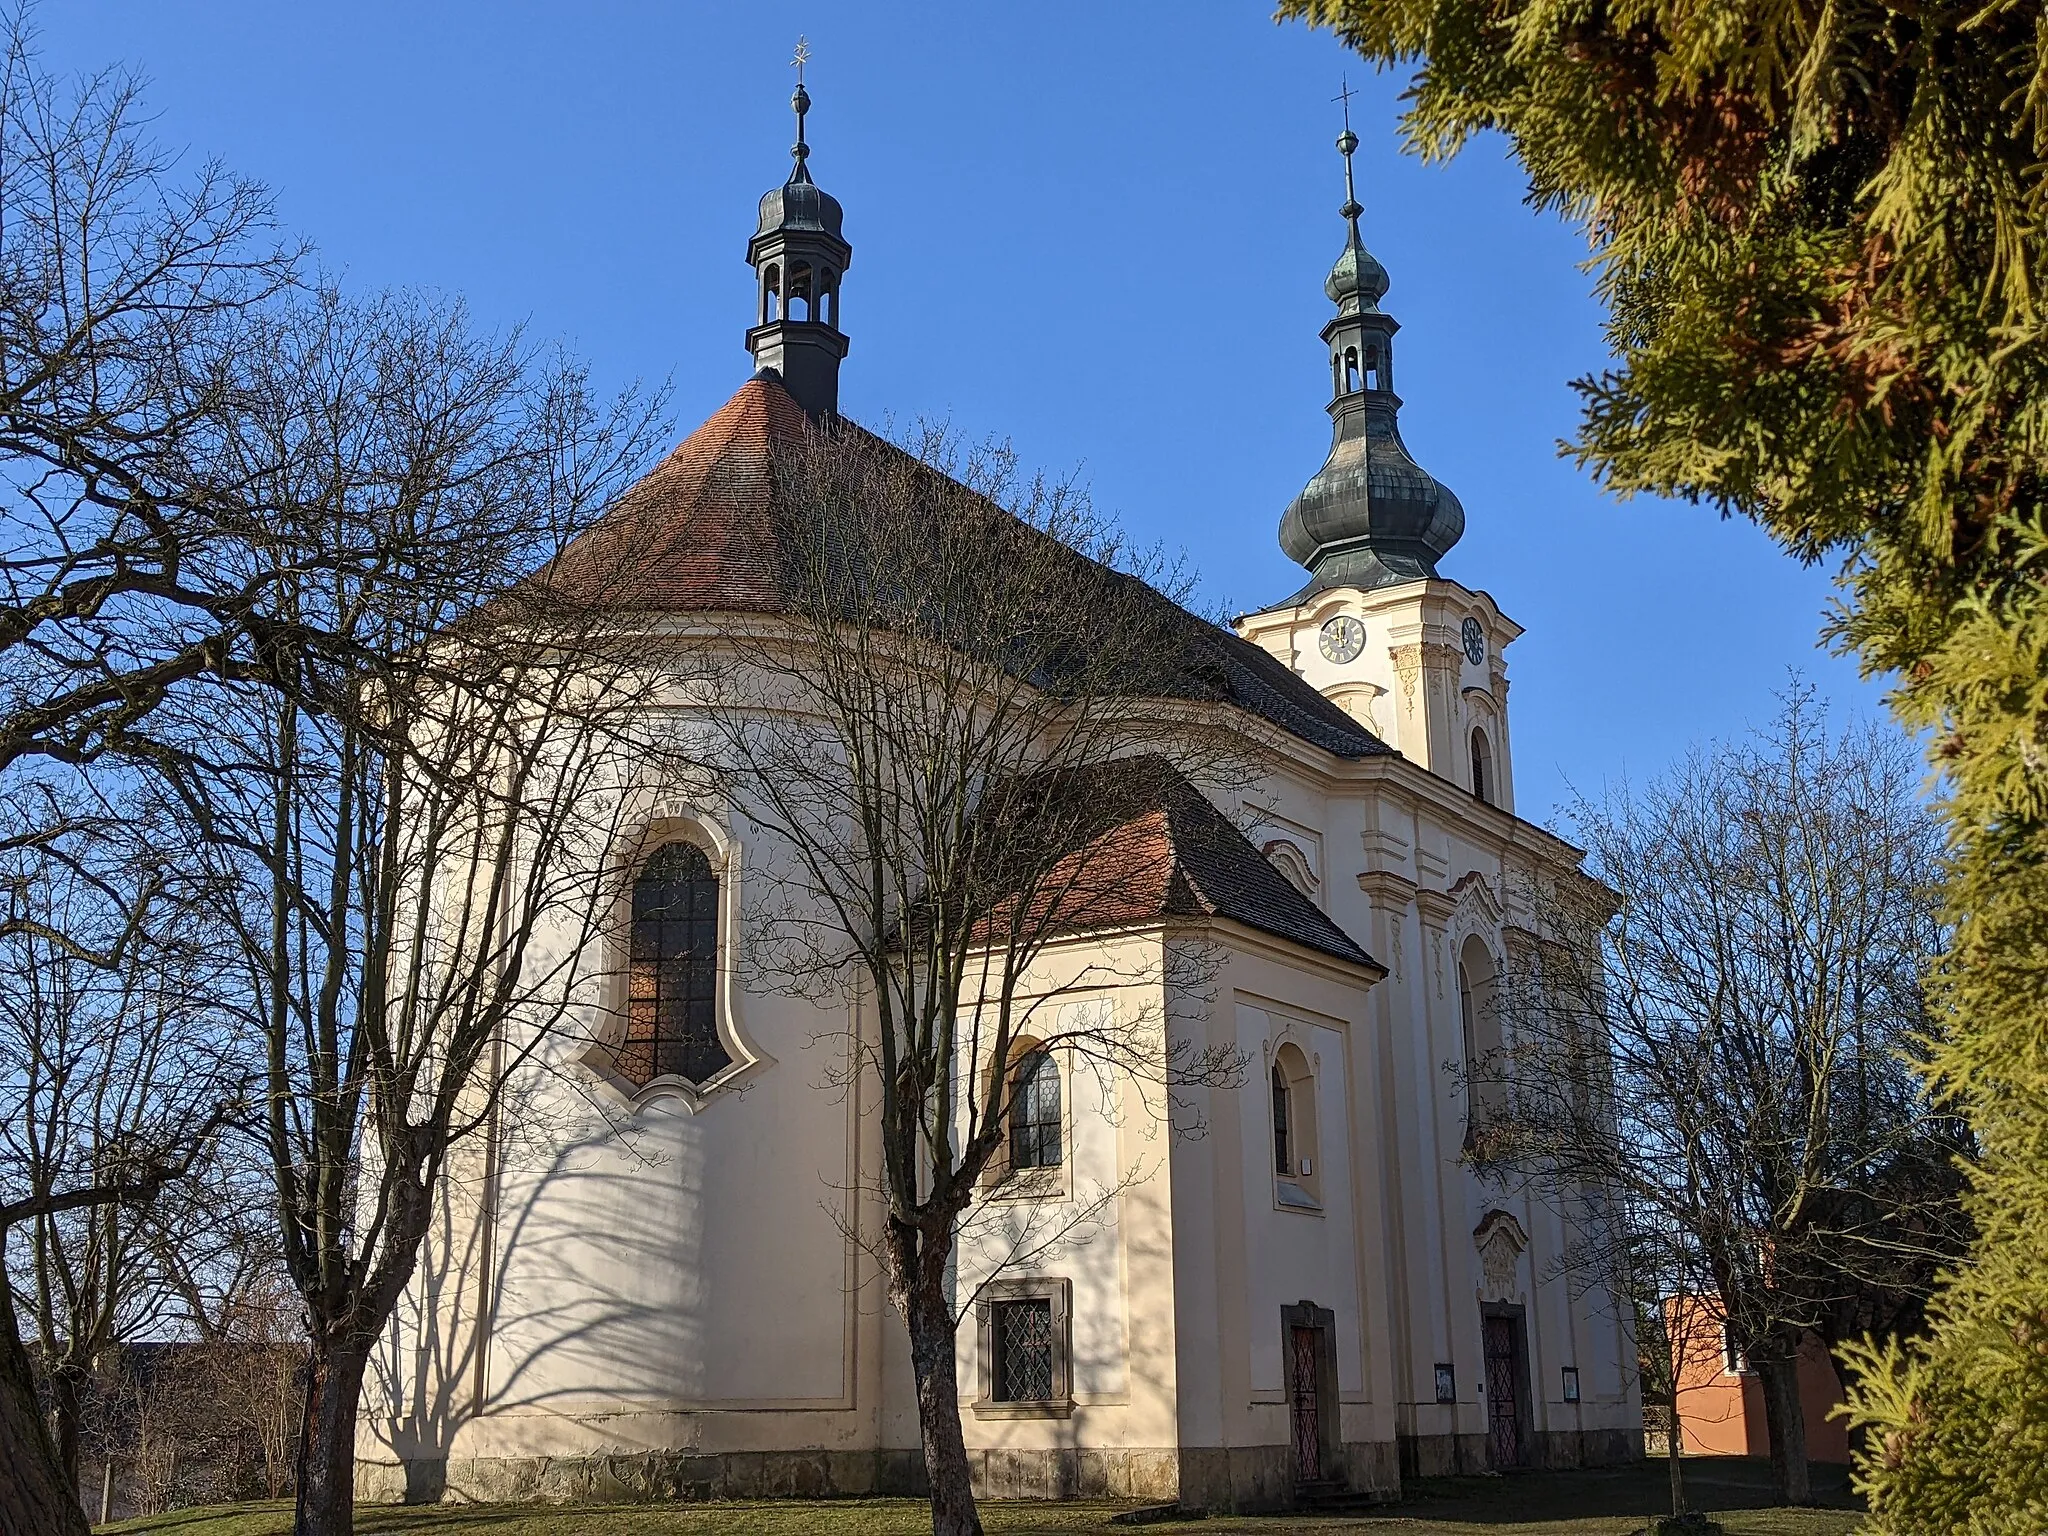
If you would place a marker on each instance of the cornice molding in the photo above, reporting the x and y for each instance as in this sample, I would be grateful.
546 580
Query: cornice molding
1390 892
1436 907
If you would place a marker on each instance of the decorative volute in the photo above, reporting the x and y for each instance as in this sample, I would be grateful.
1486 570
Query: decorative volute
1371 517
799 256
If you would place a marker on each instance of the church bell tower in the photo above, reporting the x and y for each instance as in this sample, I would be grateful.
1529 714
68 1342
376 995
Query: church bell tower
799 256
1415 657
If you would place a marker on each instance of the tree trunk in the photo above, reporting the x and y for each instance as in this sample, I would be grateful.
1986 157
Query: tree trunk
918 1276
1673 1456
1785 1419
35 1499
327 1438
930 1322
64 1385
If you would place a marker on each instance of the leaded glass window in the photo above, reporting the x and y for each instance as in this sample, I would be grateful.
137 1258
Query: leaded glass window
1035 1113
1022 1336
672 970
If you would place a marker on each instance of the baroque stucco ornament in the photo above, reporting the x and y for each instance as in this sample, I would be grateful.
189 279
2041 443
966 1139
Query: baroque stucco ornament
1501 1242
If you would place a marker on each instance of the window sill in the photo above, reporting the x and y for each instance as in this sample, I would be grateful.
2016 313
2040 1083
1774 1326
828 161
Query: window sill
1028 1184
1290 1196
1057 1408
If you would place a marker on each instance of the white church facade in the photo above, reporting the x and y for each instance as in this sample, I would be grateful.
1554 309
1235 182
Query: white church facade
1315 1296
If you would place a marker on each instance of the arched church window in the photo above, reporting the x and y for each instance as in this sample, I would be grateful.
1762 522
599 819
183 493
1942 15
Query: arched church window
800 291
672 970
1485 1085
1296 1184
1035 1111
771 293
1350 370
1283 1145
1482 766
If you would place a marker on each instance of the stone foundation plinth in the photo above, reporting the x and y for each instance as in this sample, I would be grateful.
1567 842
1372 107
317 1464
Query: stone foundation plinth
1463 1455
1237 1478
1070 1472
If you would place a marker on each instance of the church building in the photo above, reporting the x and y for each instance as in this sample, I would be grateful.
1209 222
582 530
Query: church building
1312 1300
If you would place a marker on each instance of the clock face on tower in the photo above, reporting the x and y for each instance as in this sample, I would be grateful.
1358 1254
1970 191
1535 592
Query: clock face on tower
1342 639
1475 642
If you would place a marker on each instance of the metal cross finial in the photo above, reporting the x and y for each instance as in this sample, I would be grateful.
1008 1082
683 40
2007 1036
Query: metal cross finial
801 100
1347 142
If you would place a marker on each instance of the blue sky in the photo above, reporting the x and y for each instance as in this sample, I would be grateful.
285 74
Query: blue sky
1098 230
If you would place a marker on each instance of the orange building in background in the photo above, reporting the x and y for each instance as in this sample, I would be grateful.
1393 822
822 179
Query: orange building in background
1721 1401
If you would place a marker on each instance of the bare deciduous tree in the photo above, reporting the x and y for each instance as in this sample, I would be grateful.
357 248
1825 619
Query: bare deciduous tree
934 740
124 291
418 838
113 1080
1726 1058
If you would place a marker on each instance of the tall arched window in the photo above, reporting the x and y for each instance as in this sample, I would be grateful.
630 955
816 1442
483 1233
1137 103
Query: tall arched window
1485 1085
672 970
1297 1181
1482 766
1035 1112
1283 1142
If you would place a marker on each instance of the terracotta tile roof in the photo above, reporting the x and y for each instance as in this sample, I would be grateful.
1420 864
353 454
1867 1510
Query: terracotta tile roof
1148 846
701 533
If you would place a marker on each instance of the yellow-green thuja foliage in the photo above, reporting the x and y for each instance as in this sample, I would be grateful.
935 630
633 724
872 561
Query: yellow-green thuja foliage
1821 232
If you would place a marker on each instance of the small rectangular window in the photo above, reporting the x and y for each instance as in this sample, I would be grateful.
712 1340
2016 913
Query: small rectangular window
1731 1357
1023 1347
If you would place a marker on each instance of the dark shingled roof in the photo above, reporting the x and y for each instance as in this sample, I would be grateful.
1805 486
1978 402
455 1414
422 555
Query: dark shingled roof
700 533
1150 847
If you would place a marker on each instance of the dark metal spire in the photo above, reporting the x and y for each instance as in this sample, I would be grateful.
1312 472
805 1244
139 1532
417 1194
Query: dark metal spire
799 255
1371 516
1357 280
1347 143
801 100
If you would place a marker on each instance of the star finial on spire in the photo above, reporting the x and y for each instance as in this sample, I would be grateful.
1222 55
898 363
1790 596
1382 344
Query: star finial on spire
801 100
1347 143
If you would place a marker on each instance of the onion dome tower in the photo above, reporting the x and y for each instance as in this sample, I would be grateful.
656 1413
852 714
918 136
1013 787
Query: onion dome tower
799 256
1371 517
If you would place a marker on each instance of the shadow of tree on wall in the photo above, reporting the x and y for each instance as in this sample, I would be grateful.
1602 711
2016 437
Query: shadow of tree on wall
598 1279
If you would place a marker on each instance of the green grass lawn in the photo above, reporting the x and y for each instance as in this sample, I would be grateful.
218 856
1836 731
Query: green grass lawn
1597 1503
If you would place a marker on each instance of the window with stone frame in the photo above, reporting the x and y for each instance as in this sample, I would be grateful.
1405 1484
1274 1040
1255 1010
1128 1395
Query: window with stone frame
1023 1328
672 970
1022 1368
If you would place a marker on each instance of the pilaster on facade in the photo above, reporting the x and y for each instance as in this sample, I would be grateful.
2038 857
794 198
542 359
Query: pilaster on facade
1436 909
1390 893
